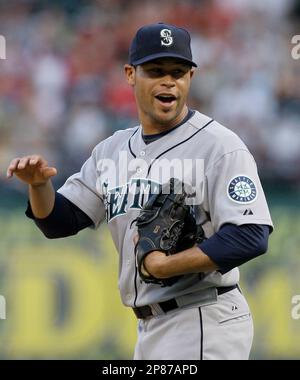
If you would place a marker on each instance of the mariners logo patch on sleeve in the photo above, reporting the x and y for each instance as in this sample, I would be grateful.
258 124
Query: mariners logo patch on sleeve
242 189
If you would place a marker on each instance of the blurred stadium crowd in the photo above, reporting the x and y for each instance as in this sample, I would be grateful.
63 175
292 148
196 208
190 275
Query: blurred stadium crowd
62 88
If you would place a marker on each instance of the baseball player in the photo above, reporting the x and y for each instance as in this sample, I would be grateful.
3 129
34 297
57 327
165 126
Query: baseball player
203 314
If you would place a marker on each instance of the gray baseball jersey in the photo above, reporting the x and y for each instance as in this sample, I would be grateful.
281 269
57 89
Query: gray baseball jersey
123 171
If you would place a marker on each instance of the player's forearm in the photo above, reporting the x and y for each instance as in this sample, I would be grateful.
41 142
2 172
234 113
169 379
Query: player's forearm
192 260
42 198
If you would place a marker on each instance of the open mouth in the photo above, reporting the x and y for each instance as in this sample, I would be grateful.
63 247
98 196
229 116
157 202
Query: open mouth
166 99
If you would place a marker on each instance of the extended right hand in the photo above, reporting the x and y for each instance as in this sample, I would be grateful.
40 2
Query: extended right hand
33 170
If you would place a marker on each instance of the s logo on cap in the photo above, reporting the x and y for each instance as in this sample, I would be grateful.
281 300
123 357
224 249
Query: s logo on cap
166 37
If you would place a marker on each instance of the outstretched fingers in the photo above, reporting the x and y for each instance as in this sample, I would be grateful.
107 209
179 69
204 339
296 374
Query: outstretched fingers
33 169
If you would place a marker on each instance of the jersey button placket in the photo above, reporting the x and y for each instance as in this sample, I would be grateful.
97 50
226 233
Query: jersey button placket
139 169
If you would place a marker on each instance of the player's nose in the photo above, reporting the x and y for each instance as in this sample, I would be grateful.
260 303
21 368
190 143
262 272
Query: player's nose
168 81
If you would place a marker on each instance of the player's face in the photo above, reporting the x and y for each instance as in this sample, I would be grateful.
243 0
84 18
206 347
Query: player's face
161 88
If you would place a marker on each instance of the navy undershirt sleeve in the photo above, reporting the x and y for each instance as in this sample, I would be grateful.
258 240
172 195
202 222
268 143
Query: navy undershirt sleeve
234 245
65 219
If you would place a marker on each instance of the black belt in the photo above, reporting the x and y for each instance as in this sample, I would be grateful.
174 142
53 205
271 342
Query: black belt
145 311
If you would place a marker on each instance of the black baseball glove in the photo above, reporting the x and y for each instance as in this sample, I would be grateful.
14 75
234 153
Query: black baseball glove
166 224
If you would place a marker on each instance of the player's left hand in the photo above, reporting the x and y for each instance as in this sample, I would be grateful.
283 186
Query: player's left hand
155 264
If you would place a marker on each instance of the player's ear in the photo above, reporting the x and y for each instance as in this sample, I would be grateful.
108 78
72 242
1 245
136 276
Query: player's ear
130 74
192 72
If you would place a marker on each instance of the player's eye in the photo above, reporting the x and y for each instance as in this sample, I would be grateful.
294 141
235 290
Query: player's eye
155 71
177 73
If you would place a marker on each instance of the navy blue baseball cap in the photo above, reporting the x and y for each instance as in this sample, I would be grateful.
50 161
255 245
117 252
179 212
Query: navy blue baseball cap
160 41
